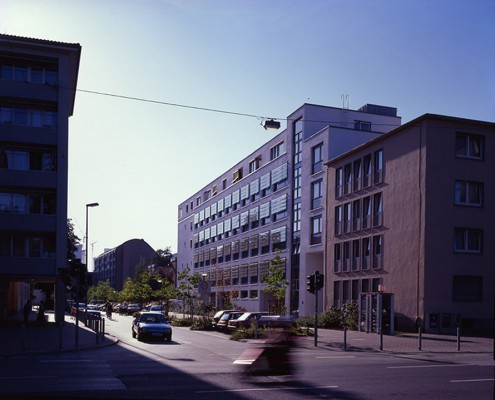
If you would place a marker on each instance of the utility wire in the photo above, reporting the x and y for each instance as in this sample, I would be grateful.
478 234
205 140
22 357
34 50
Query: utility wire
262 118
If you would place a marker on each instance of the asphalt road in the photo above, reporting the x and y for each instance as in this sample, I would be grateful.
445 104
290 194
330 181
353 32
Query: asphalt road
199 365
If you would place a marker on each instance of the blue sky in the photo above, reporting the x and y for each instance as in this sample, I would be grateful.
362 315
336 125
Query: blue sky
139 160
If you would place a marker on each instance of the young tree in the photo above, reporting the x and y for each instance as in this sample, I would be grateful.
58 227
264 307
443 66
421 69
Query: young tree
187 283
276 283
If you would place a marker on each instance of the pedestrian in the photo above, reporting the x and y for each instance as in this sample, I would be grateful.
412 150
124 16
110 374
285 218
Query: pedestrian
41 313
27 310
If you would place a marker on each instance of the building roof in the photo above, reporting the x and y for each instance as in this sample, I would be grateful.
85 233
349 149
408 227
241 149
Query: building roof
407 125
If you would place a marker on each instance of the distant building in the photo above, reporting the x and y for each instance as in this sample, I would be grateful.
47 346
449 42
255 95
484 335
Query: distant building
119 263
411 214
38 80
272 202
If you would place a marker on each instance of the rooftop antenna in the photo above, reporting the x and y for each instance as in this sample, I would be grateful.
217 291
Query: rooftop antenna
346 100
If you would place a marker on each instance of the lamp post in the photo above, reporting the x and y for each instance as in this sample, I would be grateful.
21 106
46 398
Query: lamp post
79 276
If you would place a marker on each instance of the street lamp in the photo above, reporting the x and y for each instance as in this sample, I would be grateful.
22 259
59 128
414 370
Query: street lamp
271 125
78 278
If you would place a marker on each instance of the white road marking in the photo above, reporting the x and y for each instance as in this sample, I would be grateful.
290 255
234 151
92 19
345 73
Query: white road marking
263 389
472 380
336 357
428 366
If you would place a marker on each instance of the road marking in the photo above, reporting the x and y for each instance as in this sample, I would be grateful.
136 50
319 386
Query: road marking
29 377
428 366
472 380
336 357
263 389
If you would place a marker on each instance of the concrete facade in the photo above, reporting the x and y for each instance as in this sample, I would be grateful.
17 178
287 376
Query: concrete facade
272 202
119 263
38 80
419 226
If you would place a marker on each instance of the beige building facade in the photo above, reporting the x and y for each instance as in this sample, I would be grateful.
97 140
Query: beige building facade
410 215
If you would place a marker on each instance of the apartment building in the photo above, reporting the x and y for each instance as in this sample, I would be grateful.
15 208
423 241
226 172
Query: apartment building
272 203
38 81
119 263
410 219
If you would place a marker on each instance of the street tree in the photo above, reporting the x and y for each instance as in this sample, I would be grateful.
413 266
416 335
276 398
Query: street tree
276 283
187 283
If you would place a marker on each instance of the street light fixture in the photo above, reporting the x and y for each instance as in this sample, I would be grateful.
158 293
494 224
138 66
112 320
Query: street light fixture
271 125
79 276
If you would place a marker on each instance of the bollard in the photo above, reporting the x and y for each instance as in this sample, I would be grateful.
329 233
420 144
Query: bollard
458 338
420 338
345 338
381 338
96 330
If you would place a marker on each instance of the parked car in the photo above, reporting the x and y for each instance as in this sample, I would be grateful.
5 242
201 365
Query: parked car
217 317
226 317
244 321
132 308
151 325
158 308
93 309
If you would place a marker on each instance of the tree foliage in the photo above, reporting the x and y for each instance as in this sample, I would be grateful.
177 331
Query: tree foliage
276 283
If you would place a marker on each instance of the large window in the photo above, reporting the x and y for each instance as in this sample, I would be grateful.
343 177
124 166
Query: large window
377 209
468 240
316 194
378 167
338 182
316 229
27 246
469 146
469 193
18 71
27 117
277 150
317 158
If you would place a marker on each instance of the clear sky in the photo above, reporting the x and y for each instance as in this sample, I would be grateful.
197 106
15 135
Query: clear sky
139 159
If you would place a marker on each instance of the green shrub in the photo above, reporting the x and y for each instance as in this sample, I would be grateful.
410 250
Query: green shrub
334 318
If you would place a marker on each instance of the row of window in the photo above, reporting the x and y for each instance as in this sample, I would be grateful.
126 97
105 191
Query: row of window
23 73
363 213
359 254
27 246
246 274
349 289
32 203
264 243
28 117
28 159
275 152
360 174
465 289
258 216
251 192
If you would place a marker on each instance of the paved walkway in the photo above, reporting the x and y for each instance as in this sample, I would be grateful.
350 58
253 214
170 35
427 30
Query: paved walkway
400 343
17 339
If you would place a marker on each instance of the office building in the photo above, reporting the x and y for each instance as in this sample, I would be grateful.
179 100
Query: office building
119 263
272 203
410 223
38 80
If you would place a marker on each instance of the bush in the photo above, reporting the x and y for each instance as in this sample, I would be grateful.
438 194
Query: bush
334 318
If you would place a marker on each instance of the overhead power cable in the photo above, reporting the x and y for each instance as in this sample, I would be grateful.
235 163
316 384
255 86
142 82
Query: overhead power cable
259 117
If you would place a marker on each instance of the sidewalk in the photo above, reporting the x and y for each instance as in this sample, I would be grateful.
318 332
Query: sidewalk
19 339
404 343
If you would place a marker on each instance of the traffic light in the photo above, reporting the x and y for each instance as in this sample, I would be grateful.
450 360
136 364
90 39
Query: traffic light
319 281
310 283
